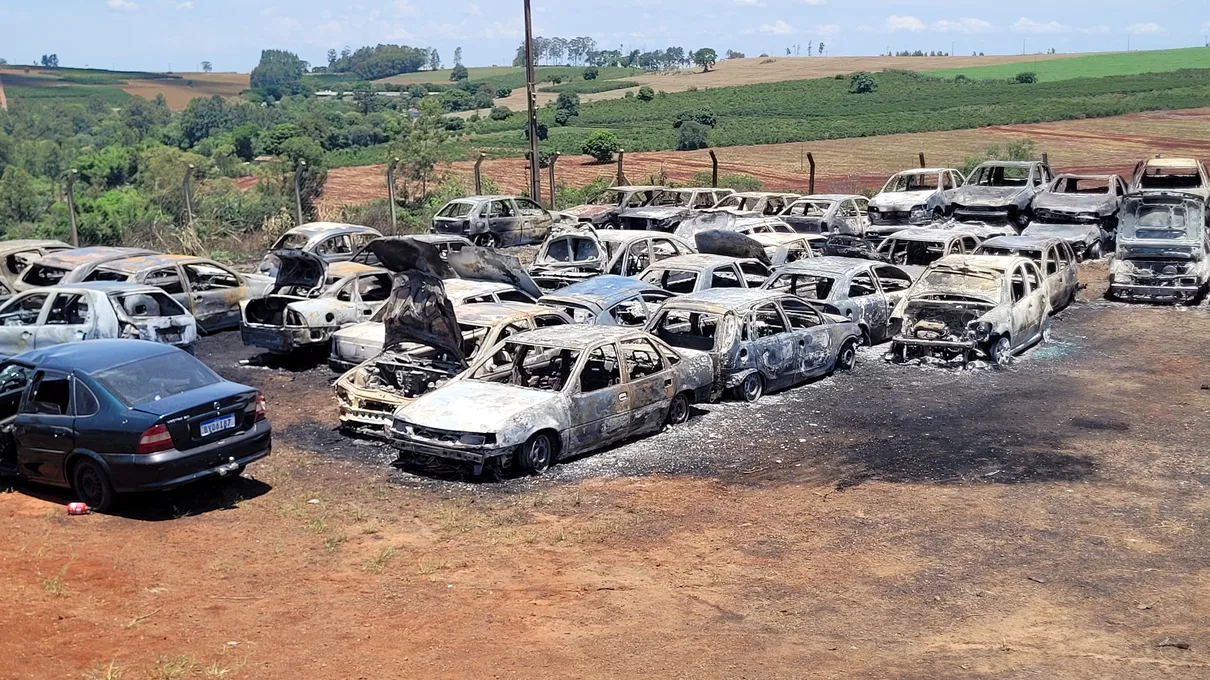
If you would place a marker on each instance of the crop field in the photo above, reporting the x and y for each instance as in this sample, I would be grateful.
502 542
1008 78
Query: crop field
115 87
1090 66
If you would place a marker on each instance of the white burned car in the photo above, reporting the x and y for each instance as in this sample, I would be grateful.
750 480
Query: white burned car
550 394
863 291
576 253
968 306
692 273
90 311
1053 257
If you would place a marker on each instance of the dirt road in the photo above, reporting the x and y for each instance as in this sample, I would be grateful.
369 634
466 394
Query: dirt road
898 522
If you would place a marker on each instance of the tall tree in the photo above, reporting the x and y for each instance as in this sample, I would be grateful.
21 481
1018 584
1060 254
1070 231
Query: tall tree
278 74
706 58
434 60
458 56
207 67
332 57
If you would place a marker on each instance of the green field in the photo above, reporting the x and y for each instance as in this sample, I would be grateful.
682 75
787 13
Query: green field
1092 66
512 77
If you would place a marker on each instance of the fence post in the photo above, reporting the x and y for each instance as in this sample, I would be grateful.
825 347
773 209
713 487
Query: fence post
391 190
922 164
188 195
1046 159
71 206
479 174
620 180
302 165
811 162
550 167
714 169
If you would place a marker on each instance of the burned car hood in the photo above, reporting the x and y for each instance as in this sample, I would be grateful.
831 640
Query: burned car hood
419 312
1098 203
902 200
729 244
1083 233
589 211
658 212
298 268
977 195
401 254
483 264
493 406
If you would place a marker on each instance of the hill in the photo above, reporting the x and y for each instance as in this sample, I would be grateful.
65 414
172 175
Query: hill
115 87
1090 66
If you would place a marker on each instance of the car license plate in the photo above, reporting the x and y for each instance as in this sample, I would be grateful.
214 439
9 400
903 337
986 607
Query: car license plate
170 337
216 425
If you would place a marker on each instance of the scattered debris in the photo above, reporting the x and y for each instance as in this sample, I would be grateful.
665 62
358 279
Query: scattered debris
1169 642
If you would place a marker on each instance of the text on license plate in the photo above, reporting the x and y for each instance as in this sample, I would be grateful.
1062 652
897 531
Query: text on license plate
218 425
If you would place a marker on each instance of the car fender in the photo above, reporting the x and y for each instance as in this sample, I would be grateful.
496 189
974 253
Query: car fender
76 455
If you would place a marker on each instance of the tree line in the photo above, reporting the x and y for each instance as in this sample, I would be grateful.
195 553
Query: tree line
583 51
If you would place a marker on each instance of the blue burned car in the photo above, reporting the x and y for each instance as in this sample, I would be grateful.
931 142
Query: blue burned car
116 416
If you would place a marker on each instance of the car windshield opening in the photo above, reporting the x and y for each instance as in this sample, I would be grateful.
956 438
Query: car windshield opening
154 378
807 286
291 242
608 198
1171 178
912 182
672 280
456 210
571 249
671 198
689 330
1082 185
148 305
914 253
1161 221
529 366
978 283
1000 176
43 275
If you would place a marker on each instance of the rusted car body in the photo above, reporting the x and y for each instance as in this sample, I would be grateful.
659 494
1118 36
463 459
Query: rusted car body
914 197
575 253
1163 251
52 269
755 203
331 241
1183 175
829 214
89 311
608 300
603 209
551 394
968 306
1053 257
669 208
1082 200
310 301
18 254
495 221
371 392
210 291
916 248
863 291
726 221
758 340
692 273
1086 240
1001 192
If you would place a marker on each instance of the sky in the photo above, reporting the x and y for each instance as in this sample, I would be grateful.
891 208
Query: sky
161 35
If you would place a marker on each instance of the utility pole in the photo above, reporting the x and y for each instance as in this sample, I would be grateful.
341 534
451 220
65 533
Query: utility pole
531 96
298 171
189 195
71 206
391 191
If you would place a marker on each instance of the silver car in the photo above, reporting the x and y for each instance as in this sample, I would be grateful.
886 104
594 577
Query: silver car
829 214
692 273
554 393
670 207
914 197
758 340
608 300
863 291
916 248
575 253
331 241
1053 257
495 221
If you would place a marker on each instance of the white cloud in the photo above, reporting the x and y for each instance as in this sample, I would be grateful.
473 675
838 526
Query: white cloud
896 23
826 30
184 5
1027 25
1140 29
125 5
963 25
1101 29
778 27
750 3
814 3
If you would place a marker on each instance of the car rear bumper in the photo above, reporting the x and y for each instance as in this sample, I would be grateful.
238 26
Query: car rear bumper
173 468
280 339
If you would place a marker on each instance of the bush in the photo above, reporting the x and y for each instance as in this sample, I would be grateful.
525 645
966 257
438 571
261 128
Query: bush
563 117
500 113
459 73
450 124
700 116
569 102
862 83
646 94
503 92
601 145
691 136
1027 78
591 73
543 131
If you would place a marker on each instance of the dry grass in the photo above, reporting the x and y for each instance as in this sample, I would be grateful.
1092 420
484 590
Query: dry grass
179 94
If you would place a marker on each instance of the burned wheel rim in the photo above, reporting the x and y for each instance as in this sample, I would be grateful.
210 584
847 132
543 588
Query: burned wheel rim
678 411
538 453
752 388
1002 353
847 359
609 224
487 240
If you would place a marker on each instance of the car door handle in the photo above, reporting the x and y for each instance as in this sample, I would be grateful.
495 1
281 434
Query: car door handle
26 334
623 397
61 431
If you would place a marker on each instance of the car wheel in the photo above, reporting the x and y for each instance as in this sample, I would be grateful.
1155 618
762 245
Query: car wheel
537 454
866 340
92 485
678 410
846 359
609 224
938 214
1094 251
751 389
488 240
1001 353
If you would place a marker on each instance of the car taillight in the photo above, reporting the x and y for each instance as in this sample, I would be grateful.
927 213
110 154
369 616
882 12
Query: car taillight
155 439
261 412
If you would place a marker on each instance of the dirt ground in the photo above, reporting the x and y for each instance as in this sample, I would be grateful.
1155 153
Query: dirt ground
178 94
1045 521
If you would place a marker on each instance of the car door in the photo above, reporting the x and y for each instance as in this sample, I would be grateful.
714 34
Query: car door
535 221
813 337
504 221
867 298
1064 277
776 350
171 281
214 295
372 292
44 429
1029 303
637 258
19 320
649 376
599 409
70 317
894 284
725 276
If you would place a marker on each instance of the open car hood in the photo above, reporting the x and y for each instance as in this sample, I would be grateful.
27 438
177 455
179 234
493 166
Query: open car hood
729 244
419 312
482 264
298 268
402 254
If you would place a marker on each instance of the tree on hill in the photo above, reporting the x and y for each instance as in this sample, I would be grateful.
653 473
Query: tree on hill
706 58
278 74
458 56
50 60
602 145
434 60
862 83
207 67
691 136
459 73
381 61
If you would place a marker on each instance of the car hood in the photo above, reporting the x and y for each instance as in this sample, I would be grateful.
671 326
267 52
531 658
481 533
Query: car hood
1075 202
1067 232
401 254
659 212
364 334
495 406
298 268
419 312
589 211
976 195
901 200
483 264
729 244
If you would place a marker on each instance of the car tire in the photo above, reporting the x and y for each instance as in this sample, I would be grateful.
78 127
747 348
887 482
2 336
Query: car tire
91 484
610 224
846 358
751 389
1001 352
488 240
538 454
1094 251
938 214
678 410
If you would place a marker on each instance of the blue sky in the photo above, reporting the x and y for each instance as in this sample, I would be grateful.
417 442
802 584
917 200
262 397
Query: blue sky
178 34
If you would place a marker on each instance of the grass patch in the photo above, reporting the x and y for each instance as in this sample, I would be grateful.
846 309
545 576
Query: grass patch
590 86
53 585
379 563
103 671
1091 66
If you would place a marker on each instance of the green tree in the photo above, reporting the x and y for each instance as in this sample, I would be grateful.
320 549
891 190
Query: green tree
314 176
203 117
274 138
500 113
591 73
1027 78
706 58
691 136
434 60
601 145
702 116
458 56
22 198
862 83
646 94
144 117
243 138
459 73
107 168
278 74
423 146
207 67
161 173
569 102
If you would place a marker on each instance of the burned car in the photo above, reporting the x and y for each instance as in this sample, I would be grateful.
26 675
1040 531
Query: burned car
781 249
1053 257
914 197
758 340
210 291
971 306
90 311
603 209
692 273
1086 240
18 254
1163 253
444 243
725 221
550 394
916 248
331 241
51 269
862 291
495 221
1184 175
669 208
575 253
828 214
370 393
1081 199
844 245
608 300
310 301
1001 191
755 203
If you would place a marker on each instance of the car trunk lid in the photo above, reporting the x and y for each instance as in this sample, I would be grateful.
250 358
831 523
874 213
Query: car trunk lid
206 415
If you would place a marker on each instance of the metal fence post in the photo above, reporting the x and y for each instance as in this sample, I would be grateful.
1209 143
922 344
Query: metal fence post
189 195
479 174
391 190
620 180
302 165
714 169
811 162
71 206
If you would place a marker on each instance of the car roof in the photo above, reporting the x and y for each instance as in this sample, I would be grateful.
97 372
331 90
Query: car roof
723 299
928 235
94 355
107 287
602 290
439 238
70 259
988 262
923 171
139 263
315 229
634 187
778 238
1173 162
484 197
695 261
617 235
1008 164
829 264
1019 242
27 243
491 313
466 287
576 336
761 194
1076 175
828 197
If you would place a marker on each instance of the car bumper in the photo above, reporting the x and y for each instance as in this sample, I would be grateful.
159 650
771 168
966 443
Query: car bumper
173 468
467 454
1154 292
982 214
367 410
284 339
